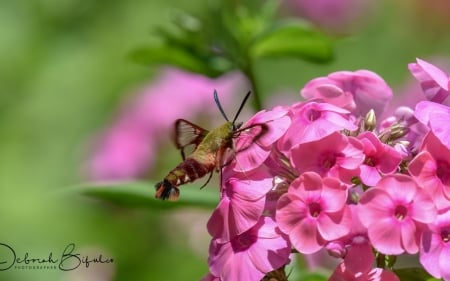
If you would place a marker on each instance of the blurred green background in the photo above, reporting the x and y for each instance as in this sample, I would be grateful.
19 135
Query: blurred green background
64 72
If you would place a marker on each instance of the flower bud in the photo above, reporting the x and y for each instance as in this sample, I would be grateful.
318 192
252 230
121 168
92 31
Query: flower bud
370 121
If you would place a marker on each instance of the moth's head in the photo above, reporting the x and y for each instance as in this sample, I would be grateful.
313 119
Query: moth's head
237 125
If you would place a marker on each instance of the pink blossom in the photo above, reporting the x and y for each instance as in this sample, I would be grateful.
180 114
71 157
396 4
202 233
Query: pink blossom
435 247
121 152
242 203
354 247
404 116
312 121
436 117
255 146
342 273
358 91
435 83
313 212
250 255
337 16
394 212
356 251
431 169
126 150
380 159
336 155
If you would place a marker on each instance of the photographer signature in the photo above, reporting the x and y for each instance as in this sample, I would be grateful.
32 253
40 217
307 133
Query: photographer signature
68 260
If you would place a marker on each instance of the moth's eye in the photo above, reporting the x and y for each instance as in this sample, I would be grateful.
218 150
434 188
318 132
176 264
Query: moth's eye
237 126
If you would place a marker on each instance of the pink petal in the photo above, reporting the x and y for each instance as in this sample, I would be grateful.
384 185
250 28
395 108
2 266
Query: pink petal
240 268
444 262
311 89
423 209
243 215
353 154
218 222
439 125
342 274
253 189
430 251
219 257
424 109
369 175
305 238
334 195
423 168
359 257
435 73
270 254
251 158
385 236
379 274
375 204
408 233
400 187
334 226
290 211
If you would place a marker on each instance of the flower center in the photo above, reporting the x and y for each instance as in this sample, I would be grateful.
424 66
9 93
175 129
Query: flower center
443 172
314 209
327 160
370 161
243 242
445 235
400 212
313 115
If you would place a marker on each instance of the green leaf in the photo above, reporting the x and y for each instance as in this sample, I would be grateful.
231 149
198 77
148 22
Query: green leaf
141 194
292 39
313 276
164 54
413 274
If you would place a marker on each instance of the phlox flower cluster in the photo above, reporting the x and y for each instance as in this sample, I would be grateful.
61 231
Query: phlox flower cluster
328 175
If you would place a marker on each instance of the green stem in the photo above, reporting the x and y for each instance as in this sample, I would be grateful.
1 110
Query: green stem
250 73
381 260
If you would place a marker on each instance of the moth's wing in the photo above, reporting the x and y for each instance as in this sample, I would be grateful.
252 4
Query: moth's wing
188 136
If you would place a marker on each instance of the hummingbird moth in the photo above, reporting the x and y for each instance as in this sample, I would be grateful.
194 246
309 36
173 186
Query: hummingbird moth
209 150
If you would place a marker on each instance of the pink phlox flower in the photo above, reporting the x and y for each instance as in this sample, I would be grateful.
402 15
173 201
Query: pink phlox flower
357 234
355 247
121 153
431 169
342 273
312 121
358 265
336 16
335 155
380 159
435 247
436 117
358 91
435 83
254 146
313 212
250 255
394 213
243 199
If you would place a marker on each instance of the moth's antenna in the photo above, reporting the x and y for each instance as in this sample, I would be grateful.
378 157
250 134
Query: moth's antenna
216 99
242 106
